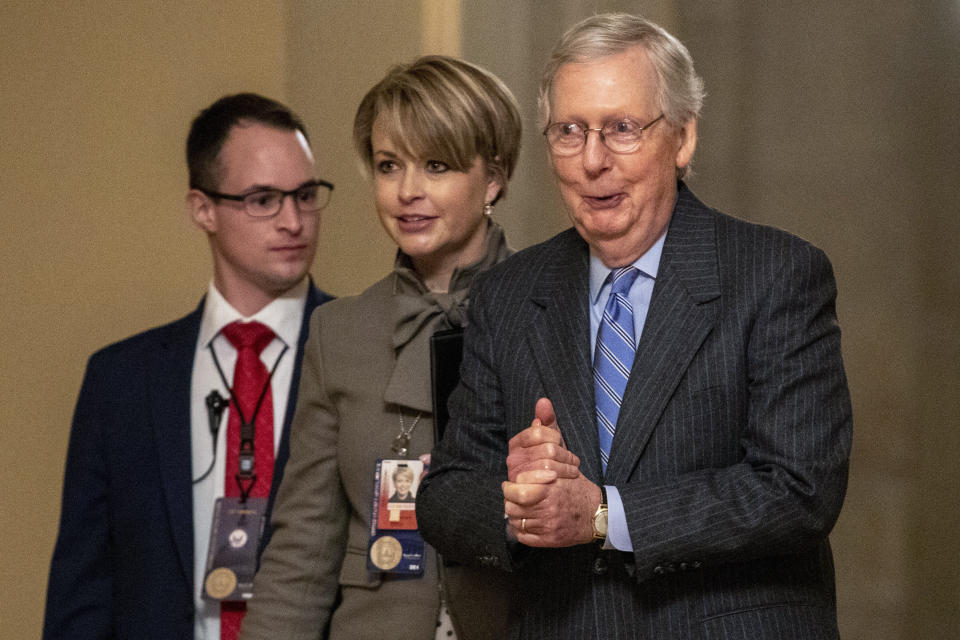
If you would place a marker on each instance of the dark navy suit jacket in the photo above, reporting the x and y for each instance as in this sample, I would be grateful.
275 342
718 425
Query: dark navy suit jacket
123 562
731 449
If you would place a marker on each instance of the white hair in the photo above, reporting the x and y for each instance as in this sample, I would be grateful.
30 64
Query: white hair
679 89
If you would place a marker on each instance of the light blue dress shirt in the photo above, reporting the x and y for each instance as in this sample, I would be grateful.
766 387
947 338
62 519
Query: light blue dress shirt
618 536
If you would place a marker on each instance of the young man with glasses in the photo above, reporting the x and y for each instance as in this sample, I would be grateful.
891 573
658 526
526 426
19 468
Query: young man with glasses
181 426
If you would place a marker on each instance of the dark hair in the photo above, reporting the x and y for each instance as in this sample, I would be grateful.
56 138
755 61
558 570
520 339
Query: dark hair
210 129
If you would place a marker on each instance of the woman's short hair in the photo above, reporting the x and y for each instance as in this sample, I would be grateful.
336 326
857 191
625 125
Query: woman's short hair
445 109
679 88
402 470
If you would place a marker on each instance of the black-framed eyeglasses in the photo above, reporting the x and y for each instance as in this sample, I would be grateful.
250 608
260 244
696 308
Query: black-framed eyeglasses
264 203
620 136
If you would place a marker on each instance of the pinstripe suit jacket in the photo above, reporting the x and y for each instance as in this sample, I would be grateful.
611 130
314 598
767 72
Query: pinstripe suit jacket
731 449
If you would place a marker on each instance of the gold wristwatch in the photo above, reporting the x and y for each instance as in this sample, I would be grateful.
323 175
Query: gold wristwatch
600 517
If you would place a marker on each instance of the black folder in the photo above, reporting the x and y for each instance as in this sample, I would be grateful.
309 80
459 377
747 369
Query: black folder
446 352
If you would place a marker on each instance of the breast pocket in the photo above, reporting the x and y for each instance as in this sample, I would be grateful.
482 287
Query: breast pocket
354 572
699 429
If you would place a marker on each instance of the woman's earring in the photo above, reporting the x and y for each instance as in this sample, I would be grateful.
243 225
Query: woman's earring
488 209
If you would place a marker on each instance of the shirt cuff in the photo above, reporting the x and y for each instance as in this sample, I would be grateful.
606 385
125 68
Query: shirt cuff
618 536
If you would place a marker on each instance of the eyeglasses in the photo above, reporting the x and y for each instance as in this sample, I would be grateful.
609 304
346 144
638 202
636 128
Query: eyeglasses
620 136
264 203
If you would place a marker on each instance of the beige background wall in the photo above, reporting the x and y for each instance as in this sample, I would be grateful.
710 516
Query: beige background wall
837 123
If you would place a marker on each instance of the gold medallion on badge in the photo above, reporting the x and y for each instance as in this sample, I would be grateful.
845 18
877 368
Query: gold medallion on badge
220 583
386 553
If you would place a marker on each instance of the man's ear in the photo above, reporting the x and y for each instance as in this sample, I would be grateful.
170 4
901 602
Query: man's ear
688 142
202 210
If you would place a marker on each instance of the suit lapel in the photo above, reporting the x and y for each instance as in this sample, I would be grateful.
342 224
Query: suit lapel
559 338
682 313
171 370
315 298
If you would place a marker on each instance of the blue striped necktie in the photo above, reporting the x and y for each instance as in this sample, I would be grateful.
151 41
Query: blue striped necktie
613 357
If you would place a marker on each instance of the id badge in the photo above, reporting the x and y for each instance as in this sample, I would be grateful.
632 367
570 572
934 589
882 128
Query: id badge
395 543
232 556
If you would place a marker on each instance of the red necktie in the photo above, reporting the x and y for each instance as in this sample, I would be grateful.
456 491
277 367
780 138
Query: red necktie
250 381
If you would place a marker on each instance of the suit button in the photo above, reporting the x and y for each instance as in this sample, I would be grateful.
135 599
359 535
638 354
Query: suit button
671 568
659 571
697 564
684 566
600 567
489 561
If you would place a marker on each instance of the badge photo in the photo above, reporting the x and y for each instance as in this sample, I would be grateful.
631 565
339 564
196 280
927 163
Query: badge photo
397 494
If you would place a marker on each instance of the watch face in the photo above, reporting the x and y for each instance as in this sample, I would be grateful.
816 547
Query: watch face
600 523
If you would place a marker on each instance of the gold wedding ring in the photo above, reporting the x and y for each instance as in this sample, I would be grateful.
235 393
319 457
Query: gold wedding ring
523 525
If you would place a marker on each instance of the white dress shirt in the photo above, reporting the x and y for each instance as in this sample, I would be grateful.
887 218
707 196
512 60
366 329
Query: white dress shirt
284 316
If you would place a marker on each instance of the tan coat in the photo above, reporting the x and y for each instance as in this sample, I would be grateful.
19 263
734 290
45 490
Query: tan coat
321 520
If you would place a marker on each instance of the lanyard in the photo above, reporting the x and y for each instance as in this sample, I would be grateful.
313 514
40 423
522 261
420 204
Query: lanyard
246 476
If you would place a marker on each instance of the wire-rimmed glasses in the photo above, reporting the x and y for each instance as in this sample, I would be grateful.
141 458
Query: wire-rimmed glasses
622 135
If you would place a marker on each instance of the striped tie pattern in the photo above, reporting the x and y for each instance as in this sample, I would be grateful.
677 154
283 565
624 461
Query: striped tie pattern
613 357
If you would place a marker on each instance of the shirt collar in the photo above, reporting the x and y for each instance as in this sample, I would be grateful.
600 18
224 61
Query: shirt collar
648 264
283 315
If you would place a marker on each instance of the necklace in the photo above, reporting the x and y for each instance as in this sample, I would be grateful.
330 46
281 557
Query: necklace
402 441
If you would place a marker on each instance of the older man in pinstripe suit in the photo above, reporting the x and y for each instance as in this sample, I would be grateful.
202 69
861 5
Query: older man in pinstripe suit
653 426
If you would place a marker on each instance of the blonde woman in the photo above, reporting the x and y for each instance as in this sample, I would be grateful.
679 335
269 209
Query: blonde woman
440 137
